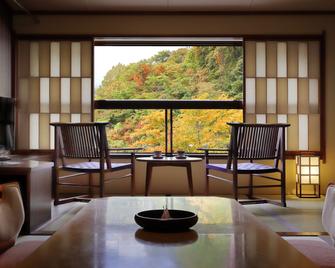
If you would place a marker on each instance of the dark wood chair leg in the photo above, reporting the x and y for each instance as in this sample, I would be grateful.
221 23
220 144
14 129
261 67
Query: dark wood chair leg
148 178
189 177
207 185
283 188
207 181
56 187
235 190
90 180
251 190
102 179
132 176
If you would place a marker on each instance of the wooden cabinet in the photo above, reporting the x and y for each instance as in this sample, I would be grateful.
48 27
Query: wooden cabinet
34 178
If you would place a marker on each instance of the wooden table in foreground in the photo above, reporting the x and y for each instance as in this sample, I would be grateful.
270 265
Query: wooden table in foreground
104 234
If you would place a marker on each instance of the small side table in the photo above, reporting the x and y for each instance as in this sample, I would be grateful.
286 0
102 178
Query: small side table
168 161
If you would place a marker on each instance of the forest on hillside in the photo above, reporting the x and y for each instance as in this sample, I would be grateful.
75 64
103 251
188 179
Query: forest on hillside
190 73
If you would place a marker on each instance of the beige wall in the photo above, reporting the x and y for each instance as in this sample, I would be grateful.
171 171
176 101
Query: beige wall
5 53
173 180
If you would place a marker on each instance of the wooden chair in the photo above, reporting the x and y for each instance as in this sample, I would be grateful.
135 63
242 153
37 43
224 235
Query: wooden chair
252 142
87 142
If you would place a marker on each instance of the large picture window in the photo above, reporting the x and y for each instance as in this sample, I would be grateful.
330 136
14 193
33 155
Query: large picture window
180 77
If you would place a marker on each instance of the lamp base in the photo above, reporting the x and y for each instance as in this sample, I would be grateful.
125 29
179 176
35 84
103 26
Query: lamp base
300 194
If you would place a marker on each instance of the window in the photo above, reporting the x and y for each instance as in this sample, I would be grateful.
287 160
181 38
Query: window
195 89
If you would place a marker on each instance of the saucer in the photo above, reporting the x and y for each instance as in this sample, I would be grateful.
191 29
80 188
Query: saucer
181 157
157 157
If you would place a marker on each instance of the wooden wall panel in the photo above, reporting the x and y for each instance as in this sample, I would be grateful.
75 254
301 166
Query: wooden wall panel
314 59
44 59
292 59
65 59
314 132
75 104
55 95
282 102
303 96
34 95
261 100
86 59
271 59
23 63
293 133
250 59
44 132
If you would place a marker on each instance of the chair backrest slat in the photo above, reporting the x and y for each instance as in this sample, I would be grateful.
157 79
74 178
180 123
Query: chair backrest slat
257 141
81 140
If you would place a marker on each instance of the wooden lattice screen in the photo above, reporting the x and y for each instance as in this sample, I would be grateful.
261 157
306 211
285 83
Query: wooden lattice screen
283 84
54 85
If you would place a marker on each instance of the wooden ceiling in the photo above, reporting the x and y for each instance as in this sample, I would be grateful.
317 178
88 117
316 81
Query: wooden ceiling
174 5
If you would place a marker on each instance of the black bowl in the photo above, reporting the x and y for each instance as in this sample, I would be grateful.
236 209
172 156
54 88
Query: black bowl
180 220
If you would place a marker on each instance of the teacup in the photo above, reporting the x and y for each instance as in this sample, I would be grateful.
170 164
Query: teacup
157 154
181 153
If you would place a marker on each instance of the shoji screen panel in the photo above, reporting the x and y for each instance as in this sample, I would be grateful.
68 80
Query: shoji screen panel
54 85
282 84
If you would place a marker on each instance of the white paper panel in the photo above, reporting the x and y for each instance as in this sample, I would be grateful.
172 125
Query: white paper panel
282 118
260 59
34 59
314 94
303 132
54 118
303 60
34 131
75 118
65 95
86 95
44 95
271 95
281 59
292 96
250 97
260 118
75 59
55 59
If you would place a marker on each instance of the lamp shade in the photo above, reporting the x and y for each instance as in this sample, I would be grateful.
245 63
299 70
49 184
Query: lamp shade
307 173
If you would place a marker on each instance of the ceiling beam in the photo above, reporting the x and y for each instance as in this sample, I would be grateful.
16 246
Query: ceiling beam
182 13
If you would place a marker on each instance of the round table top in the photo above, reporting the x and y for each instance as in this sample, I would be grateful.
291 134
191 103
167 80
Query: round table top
169 159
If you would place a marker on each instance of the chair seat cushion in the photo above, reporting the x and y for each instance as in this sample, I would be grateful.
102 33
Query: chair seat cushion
318 251
244 168
13 256
94 166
